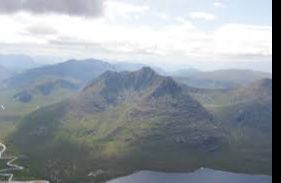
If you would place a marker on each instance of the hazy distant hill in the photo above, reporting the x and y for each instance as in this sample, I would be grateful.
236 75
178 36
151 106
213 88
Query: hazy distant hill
83 71
221 79
4 73
79 70
17 62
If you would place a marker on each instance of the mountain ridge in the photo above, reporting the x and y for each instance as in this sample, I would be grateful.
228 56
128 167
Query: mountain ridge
83 70
17 62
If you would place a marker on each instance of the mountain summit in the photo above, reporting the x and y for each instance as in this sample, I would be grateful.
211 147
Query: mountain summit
143 92
145 83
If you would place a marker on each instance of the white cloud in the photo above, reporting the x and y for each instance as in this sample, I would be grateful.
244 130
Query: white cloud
108 38
237 39
41 30
219 4
163 16
180 19
12 31
202 16
117 9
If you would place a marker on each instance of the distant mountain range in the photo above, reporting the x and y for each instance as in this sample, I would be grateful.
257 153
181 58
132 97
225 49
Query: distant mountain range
25 91
33 86
82 71
17 62
122 122
223 79
86 70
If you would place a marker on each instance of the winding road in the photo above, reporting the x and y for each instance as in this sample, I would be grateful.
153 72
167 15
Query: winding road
10 164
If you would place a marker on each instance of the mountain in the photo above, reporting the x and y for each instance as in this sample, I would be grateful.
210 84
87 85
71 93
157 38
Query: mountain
253 106
20 101
17 62
221 79
260 90
246 115
83 71
249 105
136 120
25 92
123 122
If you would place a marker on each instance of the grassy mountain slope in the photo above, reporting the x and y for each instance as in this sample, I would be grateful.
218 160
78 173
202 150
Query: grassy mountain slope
129 121
246 114
119 123
35 88
18 102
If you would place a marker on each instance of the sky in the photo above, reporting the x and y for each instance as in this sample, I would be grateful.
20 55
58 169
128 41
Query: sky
206 34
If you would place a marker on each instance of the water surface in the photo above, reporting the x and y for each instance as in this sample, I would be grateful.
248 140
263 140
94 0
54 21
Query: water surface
200 176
